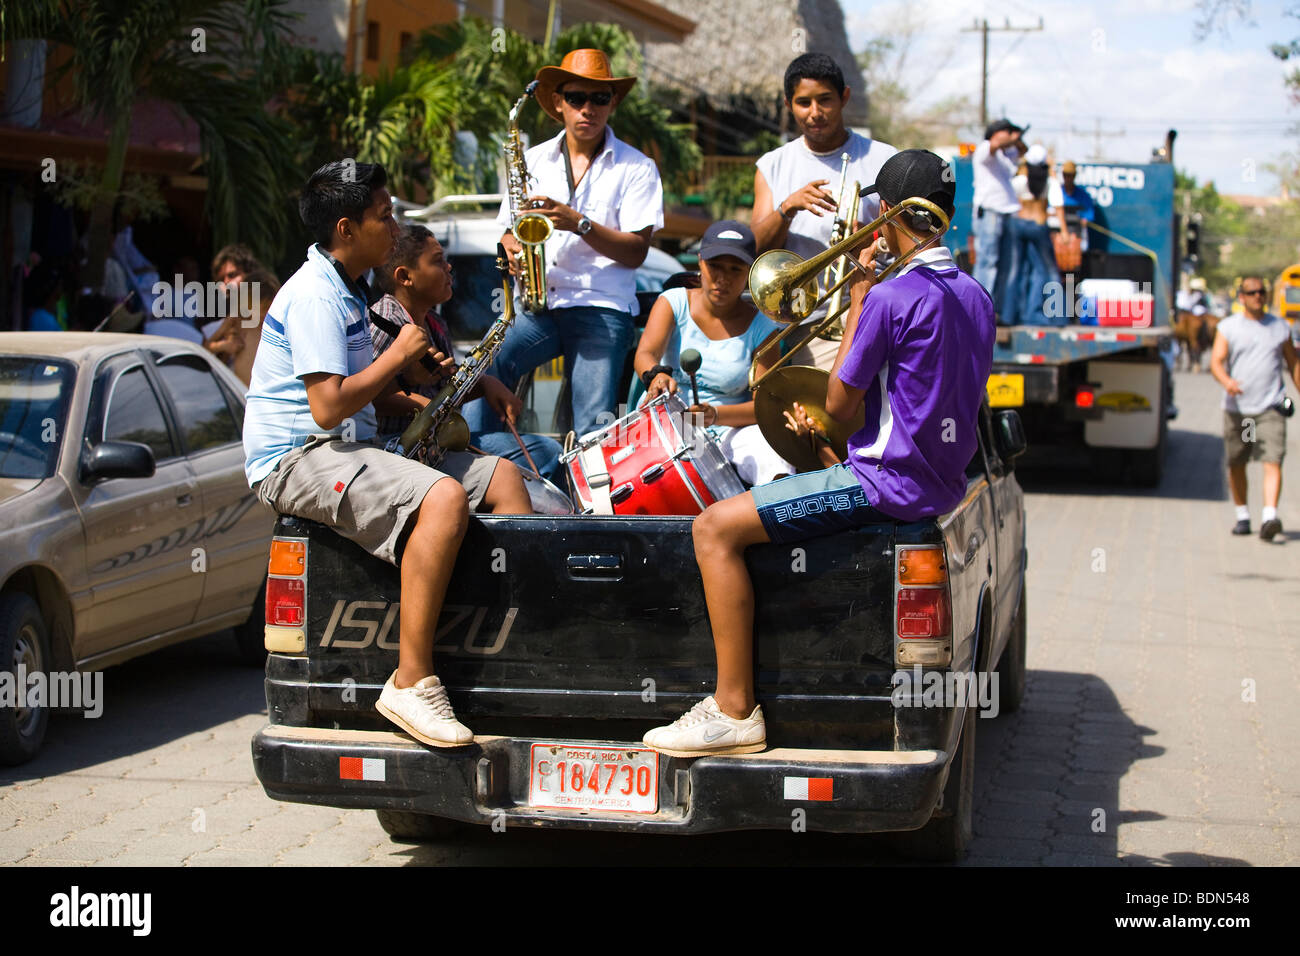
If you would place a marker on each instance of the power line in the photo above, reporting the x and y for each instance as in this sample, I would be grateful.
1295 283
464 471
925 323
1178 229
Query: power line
982 27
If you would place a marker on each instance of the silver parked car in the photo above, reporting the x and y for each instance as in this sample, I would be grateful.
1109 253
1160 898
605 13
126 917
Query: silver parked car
126 523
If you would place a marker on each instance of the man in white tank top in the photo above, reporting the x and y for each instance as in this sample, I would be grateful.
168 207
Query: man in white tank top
796 186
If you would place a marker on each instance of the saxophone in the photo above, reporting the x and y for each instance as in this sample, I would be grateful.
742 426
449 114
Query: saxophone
439 427
530 228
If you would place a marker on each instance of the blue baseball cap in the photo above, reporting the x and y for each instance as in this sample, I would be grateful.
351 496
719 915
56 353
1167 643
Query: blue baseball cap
727 237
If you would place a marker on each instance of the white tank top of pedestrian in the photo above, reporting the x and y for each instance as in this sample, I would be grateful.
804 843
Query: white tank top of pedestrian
1255 361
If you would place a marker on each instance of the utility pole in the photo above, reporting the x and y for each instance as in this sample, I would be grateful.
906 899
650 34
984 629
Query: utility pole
1097 136
982 27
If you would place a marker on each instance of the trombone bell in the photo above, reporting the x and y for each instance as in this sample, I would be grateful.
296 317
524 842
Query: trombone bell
773 295
785 286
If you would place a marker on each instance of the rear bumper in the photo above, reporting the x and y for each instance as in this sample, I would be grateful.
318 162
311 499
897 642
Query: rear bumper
487 782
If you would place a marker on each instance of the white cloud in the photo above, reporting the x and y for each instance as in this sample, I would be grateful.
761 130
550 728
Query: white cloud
1133 66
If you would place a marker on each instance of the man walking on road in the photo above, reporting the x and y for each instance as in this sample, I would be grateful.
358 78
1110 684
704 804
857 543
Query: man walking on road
1250 350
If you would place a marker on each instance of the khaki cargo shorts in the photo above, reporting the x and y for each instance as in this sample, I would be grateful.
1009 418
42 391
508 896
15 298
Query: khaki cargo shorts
1258 437
364 493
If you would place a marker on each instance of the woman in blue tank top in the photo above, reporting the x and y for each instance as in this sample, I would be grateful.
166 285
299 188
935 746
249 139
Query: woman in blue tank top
726 332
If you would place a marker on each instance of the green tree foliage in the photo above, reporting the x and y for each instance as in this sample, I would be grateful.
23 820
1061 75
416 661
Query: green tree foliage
406 119
894 116
216 61
499 63
1236 240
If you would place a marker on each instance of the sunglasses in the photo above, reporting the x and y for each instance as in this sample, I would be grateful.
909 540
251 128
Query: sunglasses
578 100
1252 291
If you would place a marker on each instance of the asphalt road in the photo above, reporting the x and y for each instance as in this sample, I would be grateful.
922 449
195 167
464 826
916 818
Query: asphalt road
1158 727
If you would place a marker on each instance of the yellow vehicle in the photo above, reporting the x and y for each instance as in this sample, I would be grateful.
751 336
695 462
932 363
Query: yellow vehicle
1286 297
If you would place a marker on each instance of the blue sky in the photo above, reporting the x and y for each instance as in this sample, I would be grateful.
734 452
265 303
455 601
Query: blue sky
1135 65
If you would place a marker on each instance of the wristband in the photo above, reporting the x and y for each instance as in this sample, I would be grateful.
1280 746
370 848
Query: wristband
781 212
649 376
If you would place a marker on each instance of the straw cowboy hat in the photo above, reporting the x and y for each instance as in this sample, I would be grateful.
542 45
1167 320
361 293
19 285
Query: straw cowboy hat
590 65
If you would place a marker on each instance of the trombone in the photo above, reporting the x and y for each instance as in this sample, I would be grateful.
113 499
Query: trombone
785 286
846 213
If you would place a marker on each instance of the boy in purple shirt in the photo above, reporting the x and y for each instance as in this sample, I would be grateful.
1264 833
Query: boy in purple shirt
918 358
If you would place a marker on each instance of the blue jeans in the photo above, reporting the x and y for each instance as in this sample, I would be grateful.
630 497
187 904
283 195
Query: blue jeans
1030 269
989 250
594 343
545 452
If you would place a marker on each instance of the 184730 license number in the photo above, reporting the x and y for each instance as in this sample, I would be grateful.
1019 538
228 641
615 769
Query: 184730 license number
594 778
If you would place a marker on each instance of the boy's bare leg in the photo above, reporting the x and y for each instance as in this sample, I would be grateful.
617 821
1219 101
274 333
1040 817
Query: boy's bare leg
1237 483
721 535
1272 483
426 568
506 493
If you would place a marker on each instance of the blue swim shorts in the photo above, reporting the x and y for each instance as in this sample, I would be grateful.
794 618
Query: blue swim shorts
817 503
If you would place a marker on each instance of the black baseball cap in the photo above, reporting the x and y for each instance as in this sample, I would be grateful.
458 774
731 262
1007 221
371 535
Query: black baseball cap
727 237
997 126
916 172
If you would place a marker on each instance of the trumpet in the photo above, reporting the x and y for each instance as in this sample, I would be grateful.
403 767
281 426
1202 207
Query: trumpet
785 286
845 216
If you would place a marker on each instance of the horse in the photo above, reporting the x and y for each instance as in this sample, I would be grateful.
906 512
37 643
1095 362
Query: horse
1195 336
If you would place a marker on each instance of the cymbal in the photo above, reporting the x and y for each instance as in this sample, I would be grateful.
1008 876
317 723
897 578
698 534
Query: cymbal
807 386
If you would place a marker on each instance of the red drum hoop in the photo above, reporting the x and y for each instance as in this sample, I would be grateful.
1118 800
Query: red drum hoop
651 462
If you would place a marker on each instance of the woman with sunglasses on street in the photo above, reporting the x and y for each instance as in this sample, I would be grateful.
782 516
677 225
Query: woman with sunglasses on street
726 331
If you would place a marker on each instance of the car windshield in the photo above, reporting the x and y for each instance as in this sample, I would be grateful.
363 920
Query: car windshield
34 395
477 285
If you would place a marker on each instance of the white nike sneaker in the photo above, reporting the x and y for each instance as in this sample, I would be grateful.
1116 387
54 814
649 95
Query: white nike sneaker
424 712
704 730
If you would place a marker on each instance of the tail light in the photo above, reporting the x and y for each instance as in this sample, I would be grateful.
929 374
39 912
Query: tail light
1084 397
286 596
922 607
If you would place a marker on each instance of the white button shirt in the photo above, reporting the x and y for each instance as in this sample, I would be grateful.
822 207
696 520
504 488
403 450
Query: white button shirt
621 190
993 172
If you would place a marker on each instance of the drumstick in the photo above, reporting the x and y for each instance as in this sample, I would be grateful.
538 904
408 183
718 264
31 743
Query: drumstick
523 448
691 361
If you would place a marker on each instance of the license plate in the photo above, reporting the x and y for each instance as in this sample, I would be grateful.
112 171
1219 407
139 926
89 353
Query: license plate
582 777
551 371
1006 391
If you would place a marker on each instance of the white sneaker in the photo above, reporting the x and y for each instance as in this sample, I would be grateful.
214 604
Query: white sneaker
424 712
704 729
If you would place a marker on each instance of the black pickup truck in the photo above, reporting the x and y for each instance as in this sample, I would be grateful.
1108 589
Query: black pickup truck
565 638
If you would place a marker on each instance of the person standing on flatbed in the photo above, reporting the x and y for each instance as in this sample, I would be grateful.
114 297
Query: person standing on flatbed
917 357
309 425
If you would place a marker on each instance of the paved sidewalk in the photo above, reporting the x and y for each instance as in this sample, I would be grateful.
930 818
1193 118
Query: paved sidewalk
1163 672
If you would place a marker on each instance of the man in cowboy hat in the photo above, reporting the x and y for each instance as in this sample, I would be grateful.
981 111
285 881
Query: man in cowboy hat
604 199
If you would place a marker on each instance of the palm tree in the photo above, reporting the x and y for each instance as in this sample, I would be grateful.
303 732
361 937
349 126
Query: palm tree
216 61
497 64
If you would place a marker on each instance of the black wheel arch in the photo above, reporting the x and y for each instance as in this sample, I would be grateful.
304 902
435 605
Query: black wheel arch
46 588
